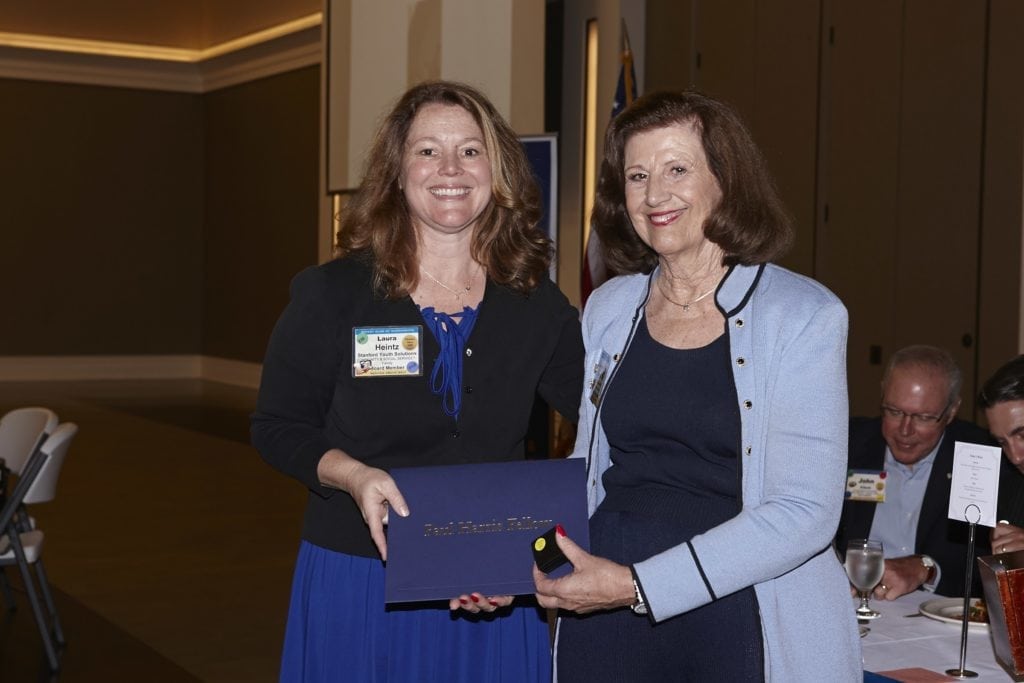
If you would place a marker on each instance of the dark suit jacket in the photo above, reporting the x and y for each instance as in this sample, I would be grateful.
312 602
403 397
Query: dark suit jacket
1011 494
943 540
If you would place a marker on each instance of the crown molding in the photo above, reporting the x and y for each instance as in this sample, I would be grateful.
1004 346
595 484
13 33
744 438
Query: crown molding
74 368
281 54
266 53
48 368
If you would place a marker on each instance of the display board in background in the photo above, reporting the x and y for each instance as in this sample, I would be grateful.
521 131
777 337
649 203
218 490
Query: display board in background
542 151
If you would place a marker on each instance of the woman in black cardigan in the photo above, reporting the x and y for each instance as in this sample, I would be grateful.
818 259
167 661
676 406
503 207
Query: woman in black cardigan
424 343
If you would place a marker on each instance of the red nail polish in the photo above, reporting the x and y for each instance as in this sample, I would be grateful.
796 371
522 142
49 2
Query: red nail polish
559 530
464 601
474 598
493 603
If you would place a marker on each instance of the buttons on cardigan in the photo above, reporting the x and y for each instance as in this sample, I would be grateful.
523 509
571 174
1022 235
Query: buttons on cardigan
469 389
748 405
739 322
748 450
456 433
741 361
469 352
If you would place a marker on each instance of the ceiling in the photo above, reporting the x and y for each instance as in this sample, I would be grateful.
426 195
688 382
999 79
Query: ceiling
189 24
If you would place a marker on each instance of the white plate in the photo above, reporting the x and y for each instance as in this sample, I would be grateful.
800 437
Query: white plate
949 610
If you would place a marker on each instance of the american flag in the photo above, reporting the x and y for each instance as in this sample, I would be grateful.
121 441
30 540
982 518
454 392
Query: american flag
595 272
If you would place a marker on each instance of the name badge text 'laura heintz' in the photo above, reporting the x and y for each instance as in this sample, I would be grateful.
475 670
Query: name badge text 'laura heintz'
387 351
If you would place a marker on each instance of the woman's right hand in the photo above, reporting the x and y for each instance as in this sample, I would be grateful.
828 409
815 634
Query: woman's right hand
373 490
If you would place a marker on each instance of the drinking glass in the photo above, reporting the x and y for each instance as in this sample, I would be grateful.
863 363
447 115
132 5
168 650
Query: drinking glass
865 566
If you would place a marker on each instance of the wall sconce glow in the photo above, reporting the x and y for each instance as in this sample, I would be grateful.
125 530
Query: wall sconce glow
166 54
336 205
589 127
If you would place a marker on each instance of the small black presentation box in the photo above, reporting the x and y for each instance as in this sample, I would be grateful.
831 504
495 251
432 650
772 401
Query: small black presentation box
546 552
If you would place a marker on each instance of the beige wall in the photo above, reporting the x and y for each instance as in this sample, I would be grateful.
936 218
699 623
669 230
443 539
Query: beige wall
377 50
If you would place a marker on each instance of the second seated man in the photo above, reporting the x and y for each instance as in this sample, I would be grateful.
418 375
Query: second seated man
1002 399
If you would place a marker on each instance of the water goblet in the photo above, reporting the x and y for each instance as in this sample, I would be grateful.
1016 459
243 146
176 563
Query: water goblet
865 566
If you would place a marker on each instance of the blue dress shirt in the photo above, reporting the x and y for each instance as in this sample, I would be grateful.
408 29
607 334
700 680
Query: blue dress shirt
895 521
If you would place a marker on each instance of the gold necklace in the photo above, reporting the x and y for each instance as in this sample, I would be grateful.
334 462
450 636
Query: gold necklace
458 294
685 306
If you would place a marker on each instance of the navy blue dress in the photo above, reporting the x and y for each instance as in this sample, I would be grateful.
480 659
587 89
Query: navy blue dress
673 425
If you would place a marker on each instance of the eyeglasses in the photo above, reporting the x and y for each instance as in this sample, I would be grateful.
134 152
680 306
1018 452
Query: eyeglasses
920 419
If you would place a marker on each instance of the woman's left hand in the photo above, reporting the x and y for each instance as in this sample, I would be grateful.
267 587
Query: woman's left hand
594 584
474 602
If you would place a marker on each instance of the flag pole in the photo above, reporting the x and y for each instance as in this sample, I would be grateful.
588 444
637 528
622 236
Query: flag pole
627 63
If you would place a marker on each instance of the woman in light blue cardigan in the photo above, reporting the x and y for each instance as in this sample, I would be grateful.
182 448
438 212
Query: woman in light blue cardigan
714 426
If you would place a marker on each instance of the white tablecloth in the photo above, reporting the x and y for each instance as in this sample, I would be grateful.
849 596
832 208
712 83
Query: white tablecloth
897 641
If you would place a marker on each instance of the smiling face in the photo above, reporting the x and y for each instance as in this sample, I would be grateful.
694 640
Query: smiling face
670 189
1006 422
446 172
915 390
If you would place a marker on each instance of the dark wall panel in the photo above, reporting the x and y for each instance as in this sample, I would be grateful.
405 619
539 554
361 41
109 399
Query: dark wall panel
670 60
100 227
261 206
1000 264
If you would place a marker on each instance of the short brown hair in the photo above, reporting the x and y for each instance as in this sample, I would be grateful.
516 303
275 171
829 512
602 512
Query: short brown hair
749 223
376 223
1007 384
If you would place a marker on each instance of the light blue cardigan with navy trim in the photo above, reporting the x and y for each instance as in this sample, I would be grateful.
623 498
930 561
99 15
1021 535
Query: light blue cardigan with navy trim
787 341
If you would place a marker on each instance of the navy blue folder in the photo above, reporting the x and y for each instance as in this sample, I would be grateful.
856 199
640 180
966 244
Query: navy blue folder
471 527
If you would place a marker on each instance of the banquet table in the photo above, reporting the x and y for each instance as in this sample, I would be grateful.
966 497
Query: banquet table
899 641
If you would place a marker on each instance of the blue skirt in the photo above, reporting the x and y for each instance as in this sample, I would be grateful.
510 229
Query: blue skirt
340 630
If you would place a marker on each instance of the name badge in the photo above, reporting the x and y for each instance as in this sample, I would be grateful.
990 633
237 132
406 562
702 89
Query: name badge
600 375
387 351
865 485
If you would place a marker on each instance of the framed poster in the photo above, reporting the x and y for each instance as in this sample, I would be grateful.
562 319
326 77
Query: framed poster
542 151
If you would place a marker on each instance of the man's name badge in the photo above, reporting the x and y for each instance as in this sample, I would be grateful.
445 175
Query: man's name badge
387 351
865 485
600 375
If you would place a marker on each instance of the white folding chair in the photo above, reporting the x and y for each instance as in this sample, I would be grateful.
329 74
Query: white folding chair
22 545
22 431
44 488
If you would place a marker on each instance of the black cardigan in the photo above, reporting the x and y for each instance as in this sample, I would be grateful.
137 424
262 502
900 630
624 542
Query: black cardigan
309 402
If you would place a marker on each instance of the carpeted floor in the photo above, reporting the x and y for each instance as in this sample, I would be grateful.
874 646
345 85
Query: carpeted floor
170 542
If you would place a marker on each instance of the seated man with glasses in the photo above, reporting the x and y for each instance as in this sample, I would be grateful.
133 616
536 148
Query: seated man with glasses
906 459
